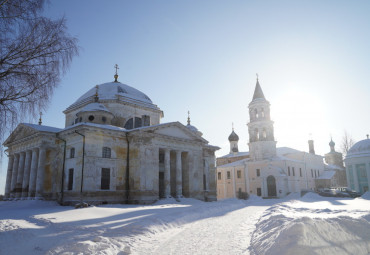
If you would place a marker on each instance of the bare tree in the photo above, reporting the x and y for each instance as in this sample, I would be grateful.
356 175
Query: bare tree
34 53
347 143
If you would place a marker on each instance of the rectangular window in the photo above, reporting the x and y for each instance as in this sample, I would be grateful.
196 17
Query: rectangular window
300 172
259 192
239 174
105 178
106 152
315 174
288 170
228 175
293 171
70 179
72 153
204 182
219 175
258 172
311 173
161 158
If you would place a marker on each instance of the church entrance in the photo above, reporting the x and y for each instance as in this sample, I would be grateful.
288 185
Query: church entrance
271 186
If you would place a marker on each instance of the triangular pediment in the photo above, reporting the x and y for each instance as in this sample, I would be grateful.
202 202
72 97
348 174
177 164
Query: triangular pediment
20 132
175 129
174 132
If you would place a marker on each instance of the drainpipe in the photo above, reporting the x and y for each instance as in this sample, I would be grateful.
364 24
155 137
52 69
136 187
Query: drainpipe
64 160
83 162
127 170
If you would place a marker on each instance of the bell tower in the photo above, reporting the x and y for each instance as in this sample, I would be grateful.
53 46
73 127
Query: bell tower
262 144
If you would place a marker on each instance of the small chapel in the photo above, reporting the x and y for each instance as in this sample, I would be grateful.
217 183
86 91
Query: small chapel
113 149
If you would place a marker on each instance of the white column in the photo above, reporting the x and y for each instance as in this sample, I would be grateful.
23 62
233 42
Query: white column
178 174
18 185
355 178
9 176
167 175
40 173
26 175
14 175
33 173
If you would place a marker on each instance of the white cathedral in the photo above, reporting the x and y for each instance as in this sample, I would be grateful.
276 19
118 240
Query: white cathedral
113 149
266 170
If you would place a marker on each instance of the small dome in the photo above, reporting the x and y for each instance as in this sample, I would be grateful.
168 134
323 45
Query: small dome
233 137
360 149
332 143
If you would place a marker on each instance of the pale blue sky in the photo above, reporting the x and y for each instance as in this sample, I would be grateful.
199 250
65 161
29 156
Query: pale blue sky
312 58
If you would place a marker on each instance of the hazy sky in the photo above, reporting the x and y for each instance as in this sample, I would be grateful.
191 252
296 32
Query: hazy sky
312 57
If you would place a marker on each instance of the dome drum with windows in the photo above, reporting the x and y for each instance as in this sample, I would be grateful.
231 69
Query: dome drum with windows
114 103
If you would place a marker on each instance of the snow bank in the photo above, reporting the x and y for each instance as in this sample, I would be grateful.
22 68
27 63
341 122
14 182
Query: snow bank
283 235
314 225
366 195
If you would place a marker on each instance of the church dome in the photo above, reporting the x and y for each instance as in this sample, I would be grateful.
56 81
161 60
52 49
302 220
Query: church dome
233 137
359 149
194 129
111 90
94 107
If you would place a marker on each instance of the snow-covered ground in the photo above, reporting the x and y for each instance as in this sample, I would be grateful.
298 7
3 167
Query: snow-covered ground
294 225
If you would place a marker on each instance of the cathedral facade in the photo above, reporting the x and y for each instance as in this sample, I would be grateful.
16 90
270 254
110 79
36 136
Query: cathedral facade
265 170
113 149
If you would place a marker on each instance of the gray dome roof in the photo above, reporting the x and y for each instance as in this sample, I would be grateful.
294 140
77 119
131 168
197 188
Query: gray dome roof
110 90
233 137
359 149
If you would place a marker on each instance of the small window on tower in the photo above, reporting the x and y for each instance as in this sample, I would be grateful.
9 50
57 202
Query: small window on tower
239 174
106 152
293 171
228 175
300 172
72 153
258 172
219 175
256 113
262 113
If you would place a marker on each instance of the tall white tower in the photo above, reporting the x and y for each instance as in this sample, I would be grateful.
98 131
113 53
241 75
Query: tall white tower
262 144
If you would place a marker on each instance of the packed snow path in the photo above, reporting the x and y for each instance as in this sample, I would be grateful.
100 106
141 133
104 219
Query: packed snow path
307 225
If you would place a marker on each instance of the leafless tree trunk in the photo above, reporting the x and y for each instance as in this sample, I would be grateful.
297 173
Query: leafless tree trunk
34 53
347 143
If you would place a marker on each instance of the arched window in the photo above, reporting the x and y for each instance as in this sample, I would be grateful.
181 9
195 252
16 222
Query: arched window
264 134
129 124
106 152
262 113
257 134
72 153
137 122
256 113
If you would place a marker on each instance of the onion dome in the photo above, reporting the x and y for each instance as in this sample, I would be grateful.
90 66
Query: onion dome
233 137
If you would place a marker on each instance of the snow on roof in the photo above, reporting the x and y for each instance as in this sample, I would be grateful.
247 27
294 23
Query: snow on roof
114 91
110 127
326 175
43 128
286 150
94 107
237 154
333 167
235 163
360 149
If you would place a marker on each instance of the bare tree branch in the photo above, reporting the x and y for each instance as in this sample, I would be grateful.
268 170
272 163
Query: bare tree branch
35 52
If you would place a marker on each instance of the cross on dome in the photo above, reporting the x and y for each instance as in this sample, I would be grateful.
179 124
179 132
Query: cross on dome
116 75
188 117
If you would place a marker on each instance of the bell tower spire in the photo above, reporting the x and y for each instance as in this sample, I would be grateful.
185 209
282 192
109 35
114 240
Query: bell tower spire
262 144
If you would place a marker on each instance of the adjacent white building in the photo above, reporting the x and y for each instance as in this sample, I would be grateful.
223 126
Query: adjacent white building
265 170
113 149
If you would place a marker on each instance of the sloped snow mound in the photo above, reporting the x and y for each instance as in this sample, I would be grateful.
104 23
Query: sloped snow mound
283 235
366 195
312 196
